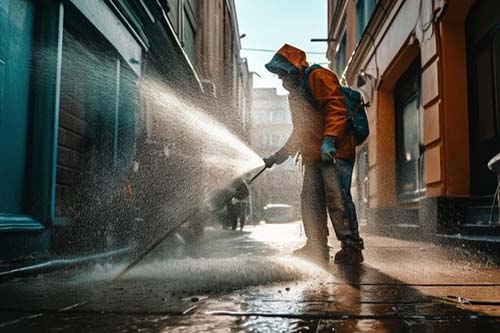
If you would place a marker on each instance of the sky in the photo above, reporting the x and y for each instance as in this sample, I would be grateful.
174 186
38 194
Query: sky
268 24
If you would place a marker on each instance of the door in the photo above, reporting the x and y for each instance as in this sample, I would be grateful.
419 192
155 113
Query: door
483 45
409 144
16 41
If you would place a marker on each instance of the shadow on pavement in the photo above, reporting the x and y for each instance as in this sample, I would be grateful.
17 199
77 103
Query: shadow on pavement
367 299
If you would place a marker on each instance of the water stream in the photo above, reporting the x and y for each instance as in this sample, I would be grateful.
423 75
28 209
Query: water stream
148 154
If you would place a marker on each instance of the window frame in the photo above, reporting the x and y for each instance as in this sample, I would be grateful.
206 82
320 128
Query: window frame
364 12
341 52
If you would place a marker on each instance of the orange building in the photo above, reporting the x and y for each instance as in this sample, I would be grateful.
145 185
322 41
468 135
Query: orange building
431 71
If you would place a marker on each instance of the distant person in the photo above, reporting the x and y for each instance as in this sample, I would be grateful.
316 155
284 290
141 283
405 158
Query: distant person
236 213
234 199
237 205
328 147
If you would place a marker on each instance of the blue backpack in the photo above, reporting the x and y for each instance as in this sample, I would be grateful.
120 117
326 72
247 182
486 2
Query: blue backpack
356 108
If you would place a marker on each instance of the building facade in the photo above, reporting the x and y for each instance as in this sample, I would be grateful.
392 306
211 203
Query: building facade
429 70
84 156
270 127
222 70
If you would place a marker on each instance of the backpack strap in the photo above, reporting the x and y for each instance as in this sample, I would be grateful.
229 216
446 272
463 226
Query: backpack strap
305 82
360 105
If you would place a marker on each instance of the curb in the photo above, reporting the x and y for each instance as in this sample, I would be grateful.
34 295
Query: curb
61 264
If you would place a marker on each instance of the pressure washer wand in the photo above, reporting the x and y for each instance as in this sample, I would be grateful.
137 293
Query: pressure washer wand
257 175
160 240
167 235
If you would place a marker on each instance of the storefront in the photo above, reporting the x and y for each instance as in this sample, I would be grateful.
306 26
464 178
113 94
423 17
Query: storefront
429 69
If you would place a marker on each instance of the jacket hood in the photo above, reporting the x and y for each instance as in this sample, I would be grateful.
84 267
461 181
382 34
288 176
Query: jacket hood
288 60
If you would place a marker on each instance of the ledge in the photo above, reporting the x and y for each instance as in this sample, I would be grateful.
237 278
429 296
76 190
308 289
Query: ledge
19 223
472 238
61 263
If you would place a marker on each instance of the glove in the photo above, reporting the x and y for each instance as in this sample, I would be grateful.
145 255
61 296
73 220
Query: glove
328 149
276 158
270 161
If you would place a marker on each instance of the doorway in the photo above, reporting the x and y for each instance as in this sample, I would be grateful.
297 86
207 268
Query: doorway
483 48
409 144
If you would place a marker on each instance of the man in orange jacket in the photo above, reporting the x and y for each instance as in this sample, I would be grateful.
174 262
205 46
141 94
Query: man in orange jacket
322 136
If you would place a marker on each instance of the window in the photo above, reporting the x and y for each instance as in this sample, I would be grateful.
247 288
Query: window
364 11
183 17
173 14
409 142
189 28
340 55
189 35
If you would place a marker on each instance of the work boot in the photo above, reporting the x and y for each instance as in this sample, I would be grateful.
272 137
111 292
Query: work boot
314 252
349 255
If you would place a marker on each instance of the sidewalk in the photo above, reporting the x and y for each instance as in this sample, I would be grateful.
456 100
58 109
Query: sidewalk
247 281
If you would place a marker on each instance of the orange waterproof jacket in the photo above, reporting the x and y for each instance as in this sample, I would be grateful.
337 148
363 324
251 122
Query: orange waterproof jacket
324 114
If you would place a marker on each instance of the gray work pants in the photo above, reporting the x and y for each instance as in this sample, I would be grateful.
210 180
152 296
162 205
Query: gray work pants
327 187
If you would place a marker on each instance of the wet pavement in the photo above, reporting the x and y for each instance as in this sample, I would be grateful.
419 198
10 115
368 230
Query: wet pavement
248 282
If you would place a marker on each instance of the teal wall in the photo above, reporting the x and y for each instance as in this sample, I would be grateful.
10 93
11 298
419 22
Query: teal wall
16 43
31 53
29 102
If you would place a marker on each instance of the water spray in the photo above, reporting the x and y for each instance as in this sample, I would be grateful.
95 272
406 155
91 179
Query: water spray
171 231
153 246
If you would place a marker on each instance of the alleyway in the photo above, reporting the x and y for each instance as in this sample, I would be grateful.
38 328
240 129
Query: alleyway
247 281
